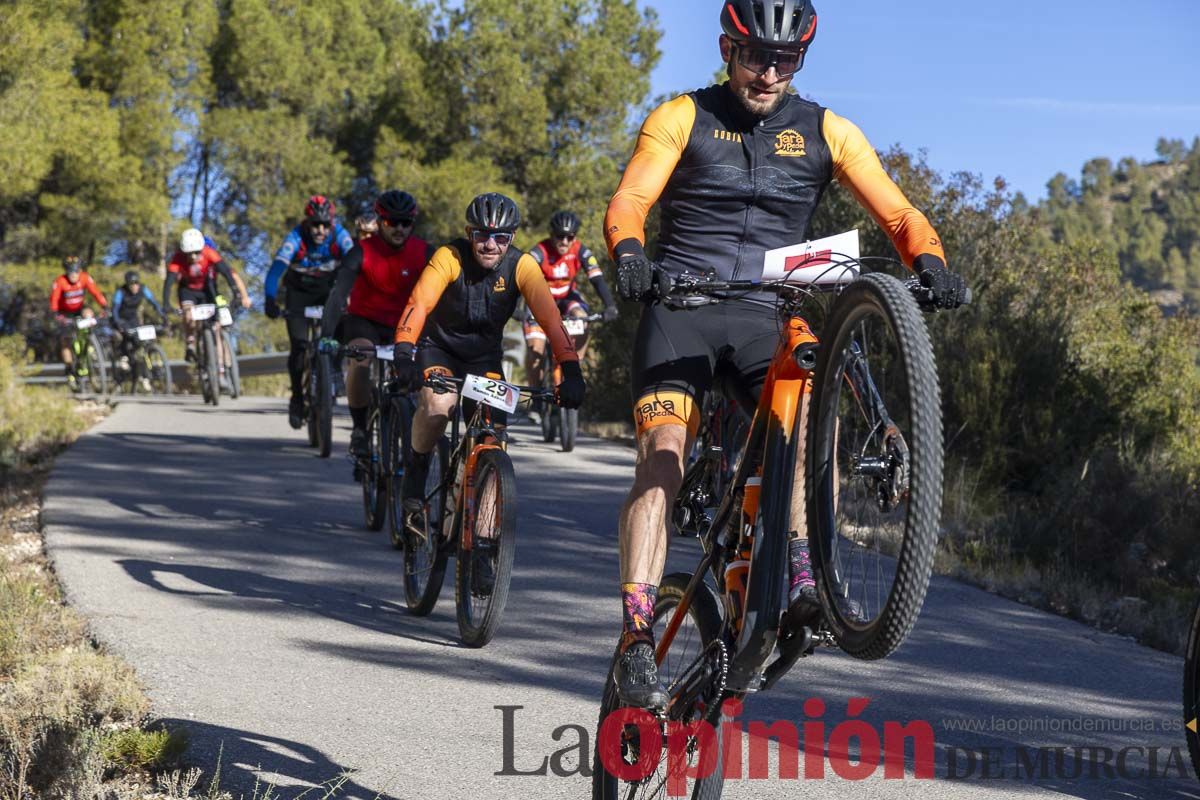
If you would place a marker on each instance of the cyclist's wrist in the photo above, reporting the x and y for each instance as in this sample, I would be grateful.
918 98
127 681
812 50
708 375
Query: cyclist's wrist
629 248
926 262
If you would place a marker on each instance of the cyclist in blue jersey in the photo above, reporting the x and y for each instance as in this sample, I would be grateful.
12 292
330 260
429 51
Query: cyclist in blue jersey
309 256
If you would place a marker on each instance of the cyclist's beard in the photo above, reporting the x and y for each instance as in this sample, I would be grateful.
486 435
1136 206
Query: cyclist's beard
756 104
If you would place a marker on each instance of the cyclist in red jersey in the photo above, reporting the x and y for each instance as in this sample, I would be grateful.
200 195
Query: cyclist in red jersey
378 276
67 297
195 266
562 256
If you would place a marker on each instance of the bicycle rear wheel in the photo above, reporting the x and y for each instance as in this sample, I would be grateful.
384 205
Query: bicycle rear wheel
399 426
159 369
324 405
208 362
1191 691
374 471
874 466
618 751
424 553
483 570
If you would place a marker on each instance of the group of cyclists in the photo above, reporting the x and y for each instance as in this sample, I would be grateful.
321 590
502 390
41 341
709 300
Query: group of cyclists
737 169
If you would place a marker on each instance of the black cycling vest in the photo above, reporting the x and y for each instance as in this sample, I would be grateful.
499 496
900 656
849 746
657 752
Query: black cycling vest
470 317
743 185
131 304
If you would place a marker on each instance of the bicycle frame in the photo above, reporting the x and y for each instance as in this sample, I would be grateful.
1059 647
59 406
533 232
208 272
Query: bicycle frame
771 428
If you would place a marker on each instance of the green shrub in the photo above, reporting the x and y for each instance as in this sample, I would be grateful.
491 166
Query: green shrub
140 750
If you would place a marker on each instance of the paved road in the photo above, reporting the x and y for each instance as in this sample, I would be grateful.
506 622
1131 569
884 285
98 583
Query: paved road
230 566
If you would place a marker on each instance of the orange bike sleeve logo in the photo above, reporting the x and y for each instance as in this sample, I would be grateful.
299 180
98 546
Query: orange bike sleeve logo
789 143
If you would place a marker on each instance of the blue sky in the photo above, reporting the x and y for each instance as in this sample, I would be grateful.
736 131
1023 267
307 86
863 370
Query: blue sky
1015 88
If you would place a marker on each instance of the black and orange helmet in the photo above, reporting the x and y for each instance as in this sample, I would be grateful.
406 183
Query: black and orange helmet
319 208
781 24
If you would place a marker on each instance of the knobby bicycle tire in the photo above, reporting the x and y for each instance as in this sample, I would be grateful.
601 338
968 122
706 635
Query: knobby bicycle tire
310 394
887 299
324 405
1191 690
374 476
570 427
705 615
209 362
160 370
399 427
425 558
232 374
479 612
96 366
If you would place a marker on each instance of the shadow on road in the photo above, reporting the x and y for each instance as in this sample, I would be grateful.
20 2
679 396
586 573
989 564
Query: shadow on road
234 757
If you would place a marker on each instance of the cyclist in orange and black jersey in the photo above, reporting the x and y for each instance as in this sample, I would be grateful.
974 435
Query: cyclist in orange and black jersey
455 320
67 298
737 169
562 256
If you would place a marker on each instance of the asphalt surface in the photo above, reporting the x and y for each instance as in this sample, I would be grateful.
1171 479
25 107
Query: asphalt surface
230 566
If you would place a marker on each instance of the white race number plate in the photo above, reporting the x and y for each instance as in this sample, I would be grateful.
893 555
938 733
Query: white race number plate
492 392
145 333
575 327
385 352
203 311
85 322
314 312
225 316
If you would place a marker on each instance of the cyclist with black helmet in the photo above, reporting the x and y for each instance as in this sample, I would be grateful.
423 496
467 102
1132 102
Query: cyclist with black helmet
562 256
365 224
67 298
378 277
739 169
307 261
457 314
127 311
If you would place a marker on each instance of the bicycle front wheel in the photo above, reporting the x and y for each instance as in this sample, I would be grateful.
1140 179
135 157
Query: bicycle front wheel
324 405
97 367
483 567
374 474
570 427
622 767
210 379
424 553
232 374
874 467
399 426
159 369
1191 691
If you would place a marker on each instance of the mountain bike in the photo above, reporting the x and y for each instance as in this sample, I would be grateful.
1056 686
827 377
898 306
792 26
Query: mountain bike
558 422
1191 691
214 351
389 419
320 389
871 444
89 366
470 509
146 363
718 443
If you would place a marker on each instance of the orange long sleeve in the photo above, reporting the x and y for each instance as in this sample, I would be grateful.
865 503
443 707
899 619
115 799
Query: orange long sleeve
856 166
443 269
660 145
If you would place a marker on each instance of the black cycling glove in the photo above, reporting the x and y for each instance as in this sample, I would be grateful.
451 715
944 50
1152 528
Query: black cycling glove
407 371
572 389
271 308
948 288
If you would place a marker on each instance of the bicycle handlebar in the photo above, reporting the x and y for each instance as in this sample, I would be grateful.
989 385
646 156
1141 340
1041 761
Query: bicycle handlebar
448 383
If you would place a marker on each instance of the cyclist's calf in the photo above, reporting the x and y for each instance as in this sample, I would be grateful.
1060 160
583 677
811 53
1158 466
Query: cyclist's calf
358 377
657 476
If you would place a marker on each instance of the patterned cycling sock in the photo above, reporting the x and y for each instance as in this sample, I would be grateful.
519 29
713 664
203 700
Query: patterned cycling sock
800 564
637 607
359 417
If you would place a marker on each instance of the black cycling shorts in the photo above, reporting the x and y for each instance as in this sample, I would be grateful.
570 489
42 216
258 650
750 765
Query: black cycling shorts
354 327
295 302
433 358
680 355
195 296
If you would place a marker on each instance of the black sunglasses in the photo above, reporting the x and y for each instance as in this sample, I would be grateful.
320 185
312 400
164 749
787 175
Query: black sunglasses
760 59
568 237
319 223
402 222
